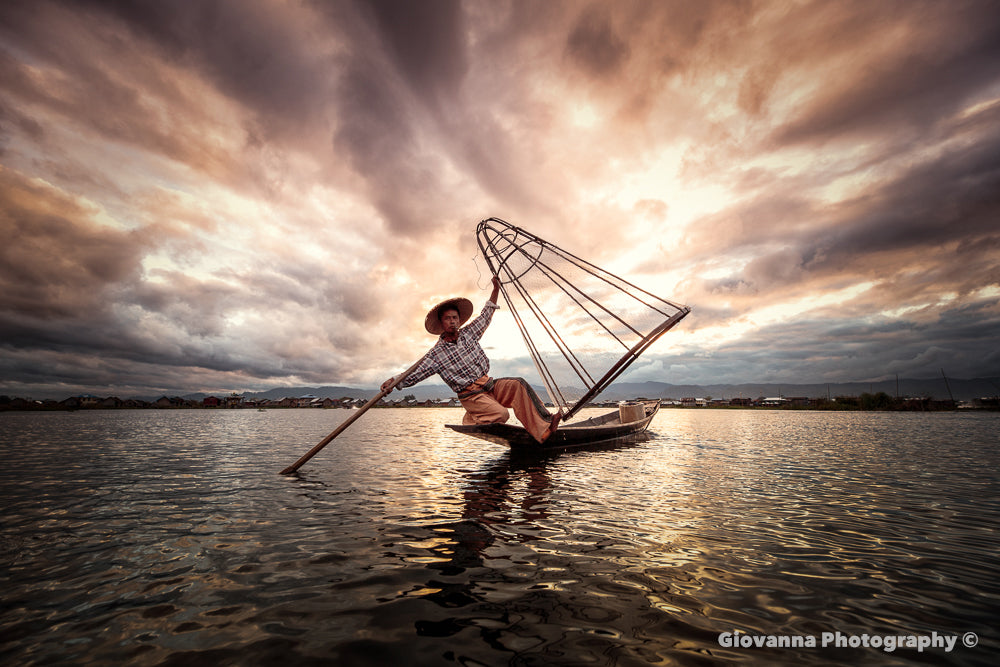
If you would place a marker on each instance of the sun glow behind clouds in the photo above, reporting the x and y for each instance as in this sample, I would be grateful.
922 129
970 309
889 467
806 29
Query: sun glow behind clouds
583 115
666 206
662 179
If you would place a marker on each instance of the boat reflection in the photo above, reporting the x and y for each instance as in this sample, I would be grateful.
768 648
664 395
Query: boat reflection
488 563
506 498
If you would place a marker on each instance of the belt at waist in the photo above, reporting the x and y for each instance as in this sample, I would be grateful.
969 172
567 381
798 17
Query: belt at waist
480 386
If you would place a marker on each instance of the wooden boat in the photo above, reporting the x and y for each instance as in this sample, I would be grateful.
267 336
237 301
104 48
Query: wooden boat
581 325
606 429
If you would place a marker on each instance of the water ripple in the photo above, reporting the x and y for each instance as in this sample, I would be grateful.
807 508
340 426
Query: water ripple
165 537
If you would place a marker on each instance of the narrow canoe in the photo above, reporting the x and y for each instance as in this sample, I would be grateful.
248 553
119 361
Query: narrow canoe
606 429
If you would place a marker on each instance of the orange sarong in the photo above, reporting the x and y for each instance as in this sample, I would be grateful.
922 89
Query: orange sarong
488 405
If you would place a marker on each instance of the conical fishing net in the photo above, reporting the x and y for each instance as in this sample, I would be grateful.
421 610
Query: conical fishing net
583 325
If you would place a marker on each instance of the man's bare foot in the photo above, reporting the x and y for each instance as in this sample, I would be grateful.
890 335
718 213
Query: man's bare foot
553 425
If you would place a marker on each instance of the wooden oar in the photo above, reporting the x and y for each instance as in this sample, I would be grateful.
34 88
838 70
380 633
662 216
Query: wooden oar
350 420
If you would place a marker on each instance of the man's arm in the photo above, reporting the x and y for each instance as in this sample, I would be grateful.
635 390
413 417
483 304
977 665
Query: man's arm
496 289
426 368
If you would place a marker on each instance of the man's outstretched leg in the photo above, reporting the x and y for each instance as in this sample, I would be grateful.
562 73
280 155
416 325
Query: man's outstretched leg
518 395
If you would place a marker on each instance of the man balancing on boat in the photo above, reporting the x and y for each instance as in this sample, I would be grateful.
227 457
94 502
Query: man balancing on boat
460 361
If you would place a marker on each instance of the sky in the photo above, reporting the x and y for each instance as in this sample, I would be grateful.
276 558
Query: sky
238 195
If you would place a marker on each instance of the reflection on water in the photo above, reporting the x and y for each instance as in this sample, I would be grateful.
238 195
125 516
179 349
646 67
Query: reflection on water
162 537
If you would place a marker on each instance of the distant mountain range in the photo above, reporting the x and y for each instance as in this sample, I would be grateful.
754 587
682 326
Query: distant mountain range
939 388
953 388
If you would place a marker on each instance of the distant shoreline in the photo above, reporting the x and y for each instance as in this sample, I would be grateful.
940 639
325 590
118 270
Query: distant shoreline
859 405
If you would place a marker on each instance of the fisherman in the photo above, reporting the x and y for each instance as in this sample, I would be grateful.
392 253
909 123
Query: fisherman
460 361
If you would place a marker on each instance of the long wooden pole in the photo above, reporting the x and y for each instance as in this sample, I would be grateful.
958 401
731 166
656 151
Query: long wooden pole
350 420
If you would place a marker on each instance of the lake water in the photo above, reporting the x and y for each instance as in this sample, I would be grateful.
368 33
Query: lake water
168 537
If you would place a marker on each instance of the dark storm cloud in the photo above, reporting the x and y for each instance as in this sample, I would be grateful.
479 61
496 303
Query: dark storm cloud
377 135
403 90
926 225
83 76
425 40
948 53
839 346
86 92
245 47
954 198
416 104
73 288
961 339
943 211
594 45
357 71
54 261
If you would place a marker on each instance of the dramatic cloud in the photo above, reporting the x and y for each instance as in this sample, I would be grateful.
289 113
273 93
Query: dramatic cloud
241 194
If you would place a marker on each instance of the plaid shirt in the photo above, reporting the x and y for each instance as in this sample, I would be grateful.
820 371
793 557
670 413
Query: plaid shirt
460 363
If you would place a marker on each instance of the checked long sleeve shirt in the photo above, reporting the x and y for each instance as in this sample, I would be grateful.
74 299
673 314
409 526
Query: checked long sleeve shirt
460 363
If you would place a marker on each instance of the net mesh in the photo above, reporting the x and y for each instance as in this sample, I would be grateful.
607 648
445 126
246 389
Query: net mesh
583 325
